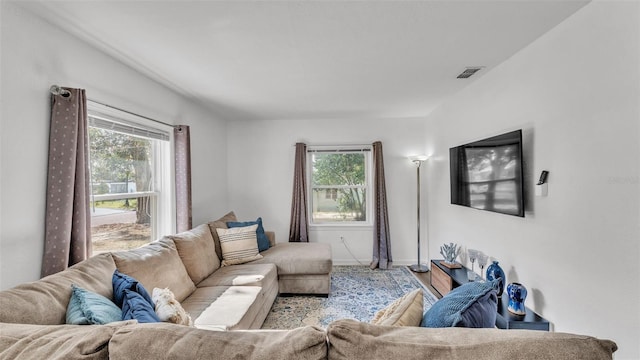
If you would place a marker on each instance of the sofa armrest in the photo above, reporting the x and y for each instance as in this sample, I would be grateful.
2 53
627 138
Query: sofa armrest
272 238
170 341
353 340
28 341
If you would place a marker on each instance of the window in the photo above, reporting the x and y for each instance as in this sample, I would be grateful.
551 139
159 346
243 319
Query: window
131 180
339 184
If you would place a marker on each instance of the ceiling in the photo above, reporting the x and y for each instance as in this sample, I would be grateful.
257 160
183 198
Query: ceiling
259 60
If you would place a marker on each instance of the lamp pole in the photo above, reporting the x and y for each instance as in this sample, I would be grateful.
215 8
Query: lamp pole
419 268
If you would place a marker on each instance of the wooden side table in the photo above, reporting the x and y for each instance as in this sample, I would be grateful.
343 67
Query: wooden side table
444 279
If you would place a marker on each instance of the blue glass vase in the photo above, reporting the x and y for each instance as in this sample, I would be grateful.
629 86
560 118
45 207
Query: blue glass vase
517 294
494 271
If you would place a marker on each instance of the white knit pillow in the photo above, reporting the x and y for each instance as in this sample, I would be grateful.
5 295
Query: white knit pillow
239 245
405 311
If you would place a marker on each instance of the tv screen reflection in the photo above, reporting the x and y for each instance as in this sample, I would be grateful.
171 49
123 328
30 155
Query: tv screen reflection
492 178
487 174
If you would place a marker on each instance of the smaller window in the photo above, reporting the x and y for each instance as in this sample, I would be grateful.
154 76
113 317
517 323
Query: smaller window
339 185
331 194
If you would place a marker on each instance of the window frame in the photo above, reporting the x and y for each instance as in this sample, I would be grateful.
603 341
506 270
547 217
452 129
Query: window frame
367 150
162 197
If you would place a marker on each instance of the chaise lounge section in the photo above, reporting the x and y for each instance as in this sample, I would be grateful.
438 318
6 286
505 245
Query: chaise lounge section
303 268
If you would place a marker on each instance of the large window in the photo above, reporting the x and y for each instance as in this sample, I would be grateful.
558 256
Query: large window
339 184
130 180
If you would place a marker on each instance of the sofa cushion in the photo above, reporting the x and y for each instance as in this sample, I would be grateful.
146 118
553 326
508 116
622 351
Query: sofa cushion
57 342
243 274
239 245
156 265
166 341
263 240
89 308
220 224
200 299
49 297
298 258
197 252
473 304
353 340
405 311
316 284
229 309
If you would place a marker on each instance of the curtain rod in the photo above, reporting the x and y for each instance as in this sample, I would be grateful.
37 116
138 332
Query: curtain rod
57 90
337 150
335 145
132 113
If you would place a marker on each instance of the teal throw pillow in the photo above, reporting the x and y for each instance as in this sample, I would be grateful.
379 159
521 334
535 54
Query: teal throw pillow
89 308
263 240
474 305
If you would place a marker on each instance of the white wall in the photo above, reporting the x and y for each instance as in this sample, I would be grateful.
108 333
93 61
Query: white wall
575 92
260 179
36 55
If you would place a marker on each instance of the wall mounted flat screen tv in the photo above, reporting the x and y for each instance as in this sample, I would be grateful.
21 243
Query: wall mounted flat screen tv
488 175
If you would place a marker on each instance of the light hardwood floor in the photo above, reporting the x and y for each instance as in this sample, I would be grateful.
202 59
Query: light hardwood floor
425 278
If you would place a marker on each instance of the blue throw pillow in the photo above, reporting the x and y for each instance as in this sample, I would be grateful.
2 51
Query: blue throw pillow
263 240
135 306
89 308
122 282
482 313
474 304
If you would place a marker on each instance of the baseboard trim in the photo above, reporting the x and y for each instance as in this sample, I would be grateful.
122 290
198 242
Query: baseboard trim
368 261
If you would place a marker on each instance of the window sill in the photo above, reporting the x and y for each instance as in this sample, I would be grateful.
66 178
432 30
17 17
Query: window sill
333 227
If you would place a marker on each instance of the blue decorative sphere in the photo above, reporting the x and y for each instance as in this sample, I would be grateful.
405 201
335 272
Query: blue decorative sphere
494 271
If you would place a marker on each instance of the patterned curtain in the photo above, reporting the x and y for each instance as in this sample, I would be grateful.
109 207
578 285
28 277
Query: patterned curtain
67 217
299 225
182 139
381 240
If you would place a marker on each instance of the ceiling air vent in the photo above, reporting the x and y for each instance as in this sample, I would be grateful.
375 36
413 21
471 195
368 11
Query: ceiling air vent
469 71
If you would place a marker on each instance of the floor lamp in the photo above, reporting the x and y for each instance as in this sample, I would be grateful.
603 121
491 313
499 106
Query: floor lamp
418 160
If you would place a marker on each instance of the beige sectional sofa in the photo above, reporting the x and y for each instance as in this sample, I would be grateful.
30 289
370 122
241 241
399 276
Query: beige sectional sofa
237 298
217 298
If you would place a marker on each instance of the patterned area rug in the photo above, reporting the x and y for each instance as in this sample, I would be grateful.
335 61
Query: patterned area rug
357 292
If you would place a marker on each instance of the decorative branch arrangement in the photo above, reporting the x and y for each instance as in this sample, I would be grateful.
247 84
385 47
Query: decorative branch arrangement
450 252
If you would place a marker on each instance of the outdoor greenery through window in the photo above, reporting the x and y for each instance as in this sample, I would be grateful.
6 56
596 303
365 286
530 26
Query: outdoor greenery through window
339 186
129 173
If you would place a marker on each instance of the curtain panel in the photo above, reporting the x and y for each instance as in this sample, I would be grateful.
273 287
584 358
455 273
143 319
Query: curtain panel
67 217
182 141
381 240
299 224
